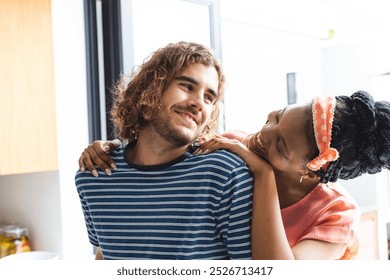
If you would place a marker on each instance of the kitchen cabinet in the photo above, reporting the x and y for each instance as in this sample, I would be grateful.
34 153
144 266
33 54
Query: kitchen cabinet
27 99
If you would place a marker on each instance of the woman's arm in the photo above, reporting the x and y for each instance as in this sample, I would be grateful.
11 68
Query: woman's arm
269 240
318 250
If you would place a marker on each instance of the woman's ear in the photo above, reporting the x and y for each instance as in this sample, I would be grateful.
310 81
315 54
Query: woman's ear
311 175
308 175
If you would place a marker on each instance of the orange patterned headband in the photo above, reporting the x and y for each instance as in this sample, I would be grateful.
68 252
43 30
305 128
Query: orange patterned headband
323 112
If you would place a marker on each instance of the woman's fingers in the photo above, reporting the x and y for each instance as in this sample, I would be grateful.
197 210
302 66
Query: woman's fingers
111 145
85 162
218 143
97 154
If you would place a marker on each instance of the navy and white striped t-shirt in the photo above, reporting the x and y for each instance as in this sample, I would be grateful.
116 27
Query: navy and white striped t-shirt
195 207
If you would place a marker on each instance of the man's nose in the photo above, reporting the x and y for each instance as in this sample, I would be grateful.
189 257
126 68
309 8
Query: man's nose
197 100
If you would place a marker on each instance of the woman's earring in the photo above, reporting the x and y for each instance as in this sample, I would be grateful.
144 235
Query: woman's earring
301 179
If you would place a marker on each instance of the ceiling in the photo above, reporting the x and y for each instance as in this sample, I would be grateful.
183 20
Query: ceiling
349 19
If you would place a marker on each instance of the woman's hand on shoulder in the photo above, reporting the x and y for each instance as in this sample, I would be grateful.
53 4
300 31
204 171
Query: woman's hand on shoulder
97 154
219 142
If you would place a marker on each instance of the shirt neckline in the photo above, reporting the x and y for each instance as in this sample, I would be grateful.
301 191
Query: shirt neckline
155 167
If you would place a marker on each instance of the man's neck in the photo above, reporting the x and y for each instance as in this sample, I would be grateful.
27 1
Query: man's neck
152 149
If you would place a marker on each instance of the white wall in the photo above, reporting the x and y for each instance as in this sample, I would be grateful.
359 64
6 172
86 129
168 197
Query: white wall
256 60
72 124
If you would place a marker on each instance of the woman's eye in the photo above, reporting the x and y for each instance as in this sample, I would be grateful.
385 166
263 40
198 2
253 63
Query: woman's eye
281 149
278 146
277 116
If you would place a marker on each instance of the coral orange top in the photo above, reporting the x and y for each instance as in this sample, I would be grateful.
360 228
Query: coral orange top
327 213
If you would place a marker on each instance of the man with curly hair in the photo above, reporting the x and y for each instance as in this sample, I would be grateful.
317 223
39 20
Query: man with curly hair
162 201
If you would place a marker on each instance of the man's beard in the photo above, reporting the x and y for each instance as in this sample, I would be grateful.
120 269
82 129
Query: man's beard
165 129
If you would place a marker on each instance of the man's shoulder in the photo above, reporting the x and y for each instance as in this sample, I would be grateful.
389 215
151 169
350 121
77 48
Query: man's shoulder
230 155
223 157
118 151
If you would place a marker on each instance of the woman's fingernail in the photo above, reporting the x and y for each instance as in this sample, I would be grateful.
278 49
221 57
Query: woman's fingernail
82 169
108 171
113 166
94 173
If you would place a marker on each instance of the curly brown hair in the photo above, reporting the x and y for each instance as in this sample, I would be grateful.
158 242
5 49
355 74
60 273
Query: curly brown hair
135 105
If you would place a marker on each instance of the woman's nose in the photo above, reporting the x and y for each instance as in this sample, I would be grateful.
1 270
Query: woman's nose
268 132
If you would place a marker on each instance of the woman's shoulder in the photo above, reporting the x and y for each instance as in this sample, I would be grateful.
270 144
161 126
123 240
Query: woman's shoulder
336 197
325 196
336 190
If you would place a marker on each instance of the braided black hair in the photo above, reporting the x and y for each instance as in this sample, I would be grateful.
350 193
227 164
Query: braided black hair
361 134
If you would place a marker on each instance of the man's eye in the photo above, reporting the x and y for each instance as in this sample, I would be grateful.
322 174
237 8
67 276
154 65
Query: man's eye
187 86
210 98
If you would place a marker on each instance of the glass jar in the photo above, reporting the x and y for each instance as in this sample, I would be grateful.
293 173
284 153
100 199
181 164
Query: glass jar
15 241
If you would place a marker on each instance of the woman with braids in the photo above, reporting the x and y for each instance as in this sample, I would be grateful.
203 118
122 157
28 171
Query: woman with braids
299 210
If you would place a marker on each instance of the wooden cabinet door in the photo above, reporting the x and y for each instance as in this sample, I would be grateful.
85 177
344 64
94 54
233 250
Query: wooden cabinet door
28 140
